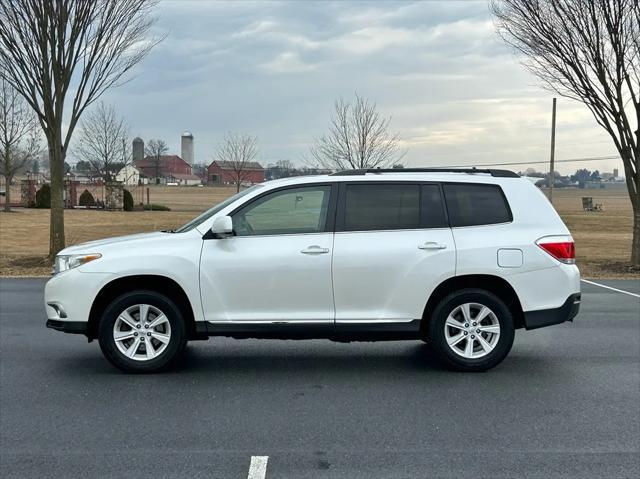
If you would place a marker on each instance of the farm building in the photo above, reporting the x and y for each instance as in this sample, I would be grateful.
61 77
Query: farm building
222 172
131 176
166 169
184 179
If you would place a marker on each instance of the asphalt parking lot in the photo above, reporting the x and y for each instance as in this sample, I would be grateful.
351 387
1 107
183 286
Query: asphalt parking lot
565 403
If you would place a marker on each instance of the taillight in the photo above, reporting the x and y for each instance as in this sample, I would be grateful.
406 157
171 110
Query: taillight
564 250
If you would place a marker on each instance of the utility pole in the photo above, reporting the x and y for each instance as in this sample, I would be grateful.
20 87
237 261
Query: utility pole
553 151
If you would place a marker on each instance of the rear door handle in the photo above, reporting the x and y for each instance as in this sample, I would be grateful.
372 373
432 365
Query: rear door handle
432 245
315 249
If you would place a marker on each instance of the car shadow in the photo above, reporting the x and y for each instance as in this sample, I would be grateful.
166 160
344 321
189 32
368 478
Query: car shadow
269 359
414 357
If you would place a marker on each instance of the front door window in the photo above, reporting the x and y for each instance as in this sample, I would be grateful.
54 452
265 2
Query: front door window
285 212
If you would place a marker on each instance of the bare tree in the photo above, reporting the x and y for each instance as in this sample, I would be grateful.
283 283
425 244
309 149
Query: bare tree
19 141
200 170
59 53
237 153
358 138
587 51
154 150
285 168
104 142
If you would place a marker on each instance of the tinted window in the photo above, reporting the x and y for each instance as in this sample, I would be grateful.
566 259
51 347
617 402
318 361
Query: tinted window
290 211
432 210
471 205
381 207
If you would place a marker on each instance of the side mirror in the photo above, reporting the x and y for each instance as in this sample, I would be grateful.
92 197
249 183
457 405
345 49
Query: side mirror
222 226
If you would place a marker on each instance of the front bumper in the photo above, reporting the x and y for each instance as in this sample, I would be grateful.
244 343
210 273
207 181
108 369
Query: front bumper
68 298
548 317
72 327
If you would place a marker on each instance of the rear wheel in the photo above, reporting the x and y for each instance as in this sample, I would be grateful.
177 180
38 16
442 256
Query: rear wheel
141 331
471 330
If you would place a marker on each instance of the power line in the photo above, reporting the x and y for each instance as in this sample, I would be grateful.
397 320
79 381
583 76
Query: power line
569 160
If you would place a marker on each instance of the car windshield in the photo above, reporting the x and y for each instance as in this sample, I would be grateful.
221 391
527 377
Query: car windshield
212 211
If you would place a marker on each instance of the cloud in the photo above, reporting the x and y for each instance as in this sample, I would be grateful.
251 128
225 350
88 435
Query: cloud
455 92
256 28
287 62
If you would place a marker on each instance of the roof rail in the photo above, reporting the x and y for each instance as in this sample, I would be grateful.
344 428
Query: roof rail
364 171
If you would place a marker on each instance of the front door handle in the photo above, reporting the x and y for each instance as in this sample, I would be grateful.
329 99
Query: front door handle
432 245
315 249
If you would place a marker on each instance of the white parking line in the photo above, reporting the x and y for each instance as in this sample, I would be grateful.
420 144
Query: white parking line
258 467
612 289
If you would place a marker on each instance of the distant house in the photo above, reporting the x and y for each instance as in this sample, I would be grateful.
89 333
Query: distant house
161 170
222 173
131 176
184 179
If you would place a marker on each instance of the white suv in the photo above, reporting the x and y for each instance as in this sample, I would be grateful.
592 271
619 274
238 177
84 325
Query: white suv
457 258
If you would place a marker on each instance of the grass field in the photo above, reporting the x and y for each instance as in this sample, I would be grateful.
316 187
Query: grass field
602 239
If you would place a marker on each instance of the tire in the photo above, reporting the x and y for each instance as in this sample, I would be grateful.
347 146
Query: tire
454 321
140 349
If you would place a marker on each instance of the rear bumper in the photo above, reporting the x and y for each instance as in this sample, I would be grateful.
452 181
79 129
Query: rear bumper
549 317
73 327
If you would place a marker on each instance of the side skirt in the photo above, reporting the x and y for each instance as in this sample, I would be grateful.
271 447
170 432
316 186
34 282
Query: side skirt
340 332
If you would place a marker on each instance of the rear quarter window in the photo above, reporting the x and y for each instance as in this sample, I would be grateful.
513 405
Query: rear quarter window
470 204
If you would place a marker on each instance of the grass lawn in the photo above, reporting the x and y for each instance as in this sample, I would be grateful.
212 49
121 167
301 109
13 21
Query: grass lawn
603 240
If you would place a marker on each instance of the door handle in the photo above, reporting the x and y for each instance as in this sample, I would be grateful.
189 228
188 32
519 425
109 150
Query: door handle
314 249
432 245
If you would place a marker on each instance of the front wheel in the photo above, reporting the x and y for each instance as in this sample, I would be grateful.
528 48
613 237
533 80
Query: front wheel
141 331
471 330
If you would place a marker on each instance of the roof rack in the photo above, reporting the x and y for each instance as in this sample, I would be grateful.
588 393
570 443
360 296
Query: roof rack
364 171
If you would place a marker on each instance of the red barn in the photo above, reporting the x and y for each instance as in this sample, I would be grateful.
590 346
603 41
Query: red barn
169 166
222 172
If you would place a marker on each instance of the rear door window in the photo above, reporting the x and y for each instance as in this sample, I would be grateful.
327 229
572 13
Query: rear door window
380 206
470 204
433 214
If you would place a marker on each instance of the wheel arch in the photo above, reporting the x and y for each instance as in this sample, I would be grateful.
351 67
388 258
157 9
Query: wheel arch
157 283
494 284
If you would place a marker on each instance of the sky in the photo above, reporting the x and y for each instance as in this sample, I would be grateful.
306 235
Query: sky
456 94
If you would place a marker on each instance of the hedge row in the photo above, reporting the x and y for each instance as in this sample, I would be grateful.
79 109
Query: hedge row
43 200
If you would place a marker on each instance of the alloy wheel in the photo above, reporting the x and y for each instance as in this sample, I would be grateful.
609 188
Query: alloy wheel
142 332
472 330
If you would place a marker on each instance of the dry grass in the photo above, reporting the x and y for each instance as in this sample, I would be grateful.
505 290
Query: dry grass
24 233
602 239
188 198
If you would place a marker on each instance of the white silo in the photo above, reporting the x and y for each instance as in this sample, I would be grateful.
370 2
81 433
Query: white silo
187 147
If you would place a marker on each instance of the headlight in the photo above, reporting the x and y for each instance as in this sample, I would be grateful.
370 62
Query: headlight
70 261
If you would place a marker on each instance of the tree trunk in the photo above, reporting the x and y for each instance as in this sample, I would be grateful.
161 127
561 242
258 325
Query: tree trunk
7 178
635 242
7 194
631 163
56 225
630 158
